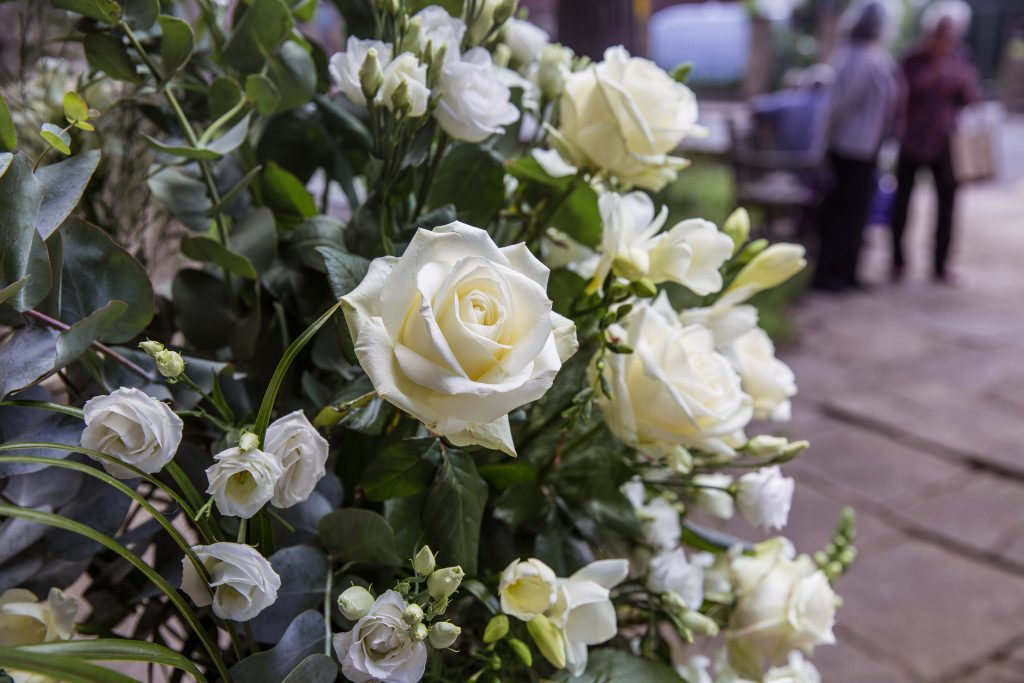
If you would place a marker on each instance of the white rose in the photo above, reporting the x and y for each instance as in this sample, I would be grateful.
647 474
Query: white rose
709 496
764 498
689 253
797 670
133 427
782 603
440 28
302 453
728 321
380 647
459 333
625 116
584 610
527 588
525 39
25 620
405 68
243 581
670 571
344 66
768 380
243 482
674 391
474 103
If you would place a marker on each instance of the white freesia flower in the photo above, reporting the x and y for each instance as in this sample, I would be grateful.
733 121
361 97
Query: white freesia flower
689 253
242 581
674 392
671 571
768 380
695 670
727 319
764 497
527 589
625 116
405 68
770 268
26 620
585 611
133 427
344 66
525 39
380 647
242 482
474 103
660 520
709 496
302 453
440 28
782 603
459 333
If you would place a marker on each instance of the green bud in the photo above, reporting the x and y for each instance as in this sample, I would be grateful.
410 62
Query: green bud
504 10
794 449
370 75
248 441
442 634
443 582
767 446
632 265
424 561
403 587
737 226
355 602
497 628
419 632
151 347
617 291
413 614
699 623
400 102
411 40
681 72
435 63
522 651
170 364
643 288
502 55
549 638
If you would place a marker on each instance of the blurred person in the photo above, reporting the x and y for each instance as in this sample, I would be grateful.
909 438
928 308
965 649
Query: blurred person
862 107
796 114
940 82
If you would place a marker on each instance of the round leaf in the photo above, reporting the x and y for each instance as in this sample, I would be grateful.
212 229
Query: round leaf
57 138
75 107
175 45
108 54
356 535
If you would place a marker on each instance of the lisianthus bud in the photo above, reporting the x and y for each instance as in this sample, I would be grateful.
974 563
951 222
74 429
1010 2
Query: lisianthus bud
737 226
504 11
151 347
795 448
412 34
370 75
170 364
766 446
413 614
419 632
400 101
502 56
699 623
424 561
443 634
355 602
248 441
444 582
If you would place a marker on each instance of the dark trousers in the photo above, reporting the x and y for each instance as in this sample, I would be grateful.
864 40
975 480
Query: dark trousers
843 216
945 187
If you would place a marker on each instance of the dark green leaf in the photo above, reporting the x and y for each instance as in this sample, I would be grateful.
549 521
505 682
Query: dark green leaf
97 271
400 470
141 14
25 356
208 250
361 536
254 237
256 37
101 10
201 309
346 123
471 178
294 75
73 342
504 474
186 151
114 650
232 139
454 510
8 135
344 271
303 572
22 251
305 636
521 505
358 15
405 515
318 668
108 54
56 137
606 665
63 185
262 92
578 215
176 44
222 95
59 668
184 196
287 196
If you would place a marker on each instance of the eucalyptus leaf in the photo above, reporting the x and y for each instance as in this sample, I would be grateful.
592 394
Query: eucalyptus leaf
318 668
258 34
360 536
6 159
303 571
401 470
22 251
294 75
75 107
105 52
607 665
207 249
12 289
255 238
101 10
73 342
222 95
262 92
141 14
305 636
454 510
184 196
176 44
26 356
56 137
187 151
8 134
232 139
63 185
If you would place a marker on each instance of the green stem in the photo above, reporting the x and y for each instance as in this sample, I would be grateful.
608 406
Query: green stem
328 589
428 178
210 531
223 409
45 405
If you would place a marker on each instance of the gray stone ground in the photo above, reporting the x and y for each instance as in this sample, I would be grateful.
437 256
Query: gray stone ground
912 397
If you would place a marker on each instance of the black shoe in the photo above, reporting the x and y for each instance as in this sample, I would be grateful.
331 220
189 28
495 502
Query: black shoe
896 273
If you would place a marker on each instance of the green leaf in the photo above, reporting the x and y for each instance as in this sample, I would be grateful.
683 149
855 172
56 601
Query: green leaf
294 75
186 151
262 92
287 196
344 271
304 637
233 139
208 250
222 96
183 195
97 271
617 665
57 668
75 107
73 342
400 470
22 250
63 185
8 134
472 178
258 34
101 10
578 215
303 571
454 510
26 356
521 504
360 536
115 650
6 159
318 668
405 516
108 54
56 137
176 44
253 236
141 14
504 474
12 289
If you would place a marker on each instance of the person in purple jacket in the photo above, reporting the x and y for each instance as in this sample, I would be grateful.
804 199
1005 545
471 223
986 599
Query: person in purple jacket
940 81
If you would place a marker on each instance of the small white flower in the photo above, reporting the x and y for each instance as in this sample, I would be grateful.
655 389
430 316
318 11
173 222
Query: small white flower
442 634
440 28
381 647
527 588
714 501
243 582
474 103
661 524
242 482
405 68
444 582
768 380
302 453
344 66
525 39
764 498
670 571
355 602
727 320
26 620
134 428
585 611
552 69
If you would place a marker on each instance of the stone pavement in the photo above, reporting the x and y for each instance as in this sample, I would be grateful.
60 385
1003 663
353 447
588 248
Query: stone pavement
912 396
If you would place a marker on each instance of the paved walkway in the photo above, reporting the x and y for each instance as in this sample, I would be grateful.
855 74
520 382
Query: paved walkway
912 397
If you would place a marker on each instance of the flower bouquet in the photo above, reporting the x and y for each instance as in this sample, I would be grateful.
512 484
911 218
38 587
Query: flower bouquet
421 382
